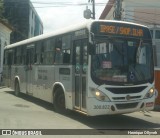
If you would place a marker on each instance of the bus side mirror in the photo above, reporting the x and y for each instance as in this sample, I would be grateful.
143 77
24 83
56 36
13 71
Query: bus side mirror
91 49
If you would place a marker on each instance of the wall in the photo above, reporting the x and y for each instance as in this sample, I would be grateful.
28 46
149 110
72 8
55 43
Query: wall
36 25
4 40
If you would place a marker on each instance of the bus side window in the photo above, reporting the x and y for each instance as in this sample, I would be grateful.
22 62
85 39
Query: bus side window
30 54
5 58
66 56
58 52
52 48
38 53
48 52
18 55
23 55
15 57
66 46
42 53
10 58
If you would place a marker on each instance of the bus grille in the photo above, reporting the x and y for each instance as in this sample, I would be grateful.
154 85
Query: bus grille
126 105
126 90
124 98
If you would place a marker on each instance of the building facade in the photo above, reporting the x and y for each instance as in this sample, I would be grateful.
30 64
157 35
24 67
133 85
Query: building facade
146 12
5 31
24 19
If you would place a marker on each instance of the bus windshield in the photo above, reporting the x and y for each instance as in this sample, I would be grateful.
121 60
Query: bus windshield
122 61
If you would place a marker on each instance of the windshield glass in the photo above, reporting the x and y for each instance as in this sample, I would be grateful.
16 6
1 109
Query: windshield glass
122 61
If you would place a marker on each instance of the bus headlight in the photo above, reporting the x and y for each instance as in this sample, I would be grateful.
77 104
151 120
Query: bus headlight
149 94
100 96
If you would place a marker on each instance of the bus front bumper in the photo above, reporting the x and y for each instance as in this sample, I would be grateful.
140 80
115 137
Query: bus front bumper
95 107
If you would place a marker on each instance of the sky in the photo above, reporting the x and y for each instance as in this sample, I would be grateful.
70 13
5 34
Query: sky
56 14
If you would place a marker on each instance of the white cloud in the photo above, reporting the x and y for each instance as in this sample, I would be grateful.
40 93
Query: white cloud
58 17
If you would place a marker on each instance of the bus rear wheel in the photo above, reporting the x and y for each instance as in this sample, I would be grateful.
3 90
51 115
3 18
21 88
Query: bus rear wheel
59 101
17 89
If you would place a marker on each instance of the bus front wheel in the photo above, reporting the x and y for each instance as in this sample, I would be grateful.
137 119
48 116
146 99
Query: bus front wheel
59 101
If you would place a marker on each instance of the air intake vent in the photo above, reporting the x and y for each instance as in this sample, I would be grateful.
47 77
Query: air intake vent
126 106
127 90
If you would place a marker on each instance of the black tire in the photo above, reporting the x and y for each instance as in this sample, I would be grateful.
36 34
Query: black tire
17 89
59 101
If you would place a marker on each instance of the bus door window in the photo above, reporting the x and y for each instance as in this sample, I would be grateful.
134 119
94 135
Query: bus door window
77 69
84 57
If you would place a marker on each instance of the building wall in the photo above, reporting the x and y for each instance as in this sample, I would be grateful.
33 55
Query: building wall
36 25
141 11
4 40
16 12
21 15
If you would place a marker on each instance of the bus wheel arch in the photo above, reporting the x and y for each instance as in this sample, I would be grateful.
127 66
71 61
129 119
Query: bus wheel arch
16 87
59 99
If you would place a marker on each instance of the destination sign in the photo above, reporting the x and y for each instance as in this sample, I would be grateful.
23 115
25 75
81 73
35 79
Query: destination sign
120 29
111 29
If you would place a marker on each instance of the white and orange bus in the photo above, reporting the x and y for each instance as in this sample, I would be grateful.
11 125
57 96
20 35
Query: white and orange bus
96 68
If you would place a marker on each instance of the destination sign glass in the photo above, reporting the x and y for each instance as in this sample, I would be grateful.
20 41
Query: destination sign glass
120 29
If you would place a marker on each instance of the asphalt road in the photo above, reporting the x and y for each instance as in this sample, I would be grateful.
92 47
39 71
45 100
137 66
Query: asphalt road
25 112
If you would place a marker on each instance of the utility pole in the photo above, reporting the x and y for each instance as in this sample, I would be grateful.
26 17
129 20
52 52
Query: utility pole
93 7
88 13
118 10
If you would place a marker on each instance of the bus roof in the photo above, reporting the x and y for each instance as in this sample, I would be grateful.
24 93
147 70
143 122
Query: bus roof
85 24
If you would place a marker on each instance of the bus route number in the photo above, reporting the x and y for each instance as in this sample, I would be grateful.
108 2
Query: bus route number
101 107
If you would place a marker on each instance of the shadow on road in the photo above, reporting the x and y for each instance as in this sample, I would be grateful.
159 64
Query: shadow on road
125 121
116 122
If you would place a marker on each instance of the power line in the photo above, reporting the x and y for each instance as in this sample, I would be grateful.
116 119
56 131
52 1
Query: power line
37 5
58 3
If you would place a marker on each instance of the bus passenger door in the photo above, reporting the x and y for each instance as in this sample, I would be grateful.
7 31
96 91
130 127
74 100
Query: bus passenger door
29 70
80 56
